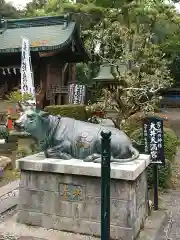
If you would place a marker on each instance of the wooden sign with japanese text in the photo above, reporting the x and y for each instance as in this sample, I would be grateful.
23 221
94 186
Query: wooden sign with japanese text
77 93
154 139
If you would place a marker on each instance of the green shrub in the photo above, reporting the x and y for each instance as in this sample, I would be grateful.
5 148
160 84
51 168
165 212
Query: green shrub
73 111
165 174
29 149
4 132
170 144
135 121
22 152
16 96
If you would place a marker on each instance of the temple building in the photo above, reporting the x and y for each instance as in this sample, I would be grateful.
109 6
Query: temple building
56 46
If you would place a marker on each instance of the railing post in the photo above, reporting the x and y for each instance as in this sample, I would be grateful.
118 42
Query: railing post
105 184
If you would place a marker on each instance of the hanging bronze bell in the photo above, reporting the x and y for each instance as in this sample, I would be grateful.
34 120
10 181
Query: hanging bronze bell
105 74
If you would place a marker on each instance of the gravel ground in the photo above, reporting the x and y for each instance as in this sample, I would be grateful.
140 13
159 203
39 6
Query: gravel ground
8 237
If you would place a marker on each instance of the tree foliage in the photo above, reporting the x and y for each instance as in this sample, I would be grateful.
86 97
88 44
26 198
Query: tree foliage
7 10
140 67
138 38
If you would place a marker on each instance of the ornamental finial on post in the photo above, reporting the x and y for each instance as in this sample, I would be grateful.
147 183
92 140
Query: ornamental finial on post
105 183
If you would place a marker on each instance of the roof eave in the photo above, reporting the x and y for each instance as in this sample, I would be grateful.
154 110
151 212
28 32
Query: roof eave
35 49
75 35
33 19
40 48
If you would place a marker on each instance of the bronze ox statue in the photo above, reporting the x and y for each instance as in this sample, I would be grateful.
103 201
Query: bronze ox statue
67 138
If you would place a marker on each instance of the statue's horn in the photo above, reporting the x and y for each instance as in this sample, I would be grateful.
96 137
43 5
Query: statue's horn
22 108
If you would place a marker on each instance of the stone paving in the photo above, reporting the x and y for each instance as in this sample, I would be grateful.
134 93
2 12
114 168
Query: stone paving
10 229
170 230
171 227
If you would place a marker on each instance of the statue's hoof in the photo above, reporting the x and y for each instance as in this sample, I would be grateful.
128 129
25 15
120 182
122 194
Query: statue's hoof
47 155
88 159
66 157
92 157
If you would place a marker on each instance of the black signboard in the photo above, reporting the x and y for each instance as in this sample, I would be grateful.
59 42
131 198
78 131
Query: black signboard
154 139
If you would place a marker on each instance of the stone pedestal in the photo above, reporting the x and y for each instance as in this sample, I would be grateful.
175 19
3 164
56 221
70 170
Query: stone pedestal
66 195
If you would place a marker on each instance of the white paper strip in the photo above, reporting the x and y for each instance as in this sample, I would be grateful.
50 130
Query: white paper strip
27 83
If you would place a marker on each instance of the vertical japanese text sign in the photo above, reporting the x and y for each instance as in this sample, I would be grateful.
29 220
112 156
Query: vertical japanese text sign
77 93
154 139
27 84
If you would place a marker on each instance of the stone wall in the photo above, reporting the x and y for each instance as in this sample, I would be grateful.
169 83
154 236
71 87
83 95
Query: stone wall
73 203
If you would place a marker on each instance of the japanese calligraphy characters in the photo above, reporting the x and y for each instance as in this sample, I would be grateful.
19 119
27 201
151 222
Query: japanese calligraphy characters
154 138
70 192
77 93
26 69
145 134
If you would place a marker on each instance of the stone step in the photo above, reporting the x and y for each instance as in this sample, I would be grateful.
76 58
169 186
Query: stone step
9 196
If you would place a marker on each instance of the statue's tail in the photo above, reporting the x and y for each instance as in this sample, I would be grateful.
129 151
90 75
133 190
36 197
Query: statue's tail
135 155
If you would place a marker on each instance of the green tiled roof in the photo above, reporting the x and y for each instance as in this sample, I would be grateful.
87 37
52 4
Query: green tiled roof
44 33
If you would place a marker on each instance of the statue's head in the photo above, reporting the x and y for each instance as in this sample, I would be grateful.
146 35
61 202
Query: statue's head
32 121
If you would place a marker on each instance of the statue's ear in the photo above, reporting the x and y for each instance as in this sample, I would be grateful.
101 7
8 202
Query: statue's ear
43 114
